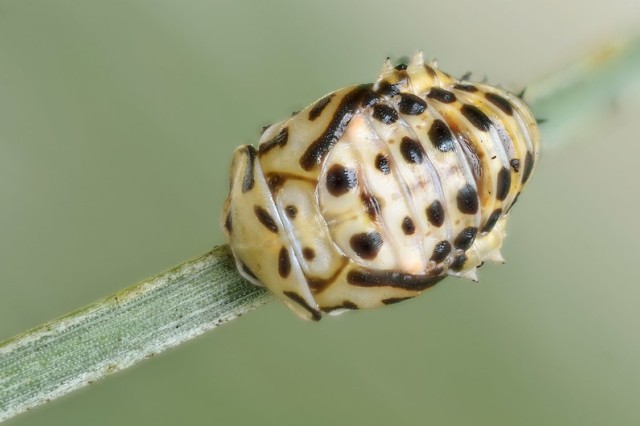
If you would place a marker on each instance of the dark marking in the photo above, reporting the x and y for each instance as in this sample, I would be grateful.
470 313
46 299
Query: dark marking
394 300
275 181
407 226
318 285
492 220
319 148
344 305
371 205
385 114
317 109
248 180
369 99
435 214
465 238
364 278
248 271
411 104
388 89
265 219
500 102
458 262
467 200
308 253
315 314
515 165
476 117
466 87
522 92
292 211
284 264
432 73
401 66
441 137
528 167
513 202
441 251
280 140
441 95
503 184
366 244
382 164
412 150
494 157
341 180
227 222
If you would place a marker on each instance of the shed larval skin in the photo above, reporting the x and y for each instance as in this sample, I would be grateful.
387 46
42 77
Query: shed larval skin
376 192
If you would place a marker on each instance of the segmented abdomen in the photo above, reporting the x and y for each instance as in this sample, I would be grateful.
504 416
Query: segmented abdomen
375 192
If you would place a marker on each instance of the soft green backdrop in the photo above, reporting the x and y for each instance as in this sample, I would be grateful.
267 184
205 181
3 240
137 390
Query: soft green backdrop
117 122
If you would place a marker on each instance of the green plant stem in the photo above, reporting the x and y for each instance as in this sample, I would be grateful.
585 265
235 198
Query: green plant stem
120 330
201 294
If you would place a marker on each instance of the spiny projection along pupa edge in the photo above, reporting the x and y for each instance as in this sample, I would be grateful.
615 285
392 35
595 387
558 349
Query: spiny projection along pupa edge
376 192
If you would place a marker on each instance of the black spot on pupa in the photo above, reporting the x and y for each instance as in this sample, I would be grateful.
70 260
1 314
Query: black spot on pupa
441 137
528 167
342 116
476 117
366 244
284 263
388 89
441 251
412 150
274 181
382 164
365 278
401 66
513 202
467 200
317 109
308 253
458 262
466 87
227 222
315 314
503 184
515 165
280 140
441 95
369 99
371 205
292 211
341 180
265 219
344 305
248 180
500 102
394 300
411 104
465 238
435 214
385 114
407 226
492 220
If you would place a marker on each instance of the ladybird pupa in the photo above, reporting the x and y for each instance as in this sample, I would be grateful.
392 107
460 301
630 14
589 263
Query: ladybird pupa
376 192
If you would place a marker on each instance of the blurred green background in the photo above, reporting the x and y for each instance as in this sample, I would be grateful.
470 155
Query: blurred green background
117 123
